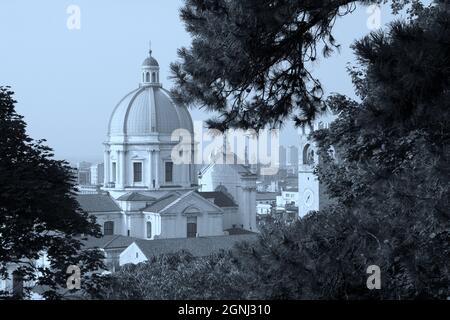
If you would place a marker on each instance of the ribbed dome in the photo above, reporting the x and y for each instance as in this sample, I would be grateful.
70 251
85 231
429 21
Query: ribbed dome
150 62
146 110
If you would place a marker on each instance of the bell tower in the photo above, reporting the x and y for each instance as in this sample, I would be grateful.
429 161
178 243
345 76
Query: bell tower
312 194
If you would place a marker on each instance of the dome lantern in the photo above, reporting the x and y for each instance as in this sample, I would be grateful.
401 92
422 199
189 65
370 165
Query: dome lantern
150 71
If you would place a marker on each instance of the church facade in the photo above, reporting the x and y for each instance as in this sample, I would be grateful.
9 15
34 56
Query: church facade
145 193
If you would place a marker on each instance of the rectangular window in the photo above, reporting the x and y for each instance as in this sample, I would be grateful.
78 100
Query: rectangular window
114 172
17 285
191 227
169 171
149 230
108 228
137 171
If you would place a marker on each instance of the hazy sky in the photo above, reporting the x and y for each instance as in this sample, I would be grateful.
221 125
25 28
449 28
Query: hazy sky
67 82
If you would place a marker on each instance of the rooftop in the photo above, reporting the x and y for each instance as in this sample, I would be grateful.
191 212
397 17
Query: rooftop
198 247
267 196
163 202
150 62
220 198
135 196
97 203
107 242
238 231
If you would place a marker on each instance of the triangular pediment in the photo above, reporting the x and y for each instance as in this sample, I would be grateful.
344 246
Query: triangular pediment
190 203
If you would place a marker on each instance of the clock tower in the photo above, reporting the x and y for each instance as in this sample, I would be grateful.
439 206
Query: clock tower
312 195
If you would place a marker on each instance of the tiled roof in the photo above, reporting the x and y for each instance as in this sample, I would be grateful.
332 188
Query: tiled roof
238 231
267 195
135 196
221 199
163 202
198 247
97 203
107 242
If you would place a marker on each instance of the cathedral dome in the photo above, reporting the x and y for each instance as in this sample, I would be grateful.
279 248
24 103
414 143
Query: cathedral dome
149 109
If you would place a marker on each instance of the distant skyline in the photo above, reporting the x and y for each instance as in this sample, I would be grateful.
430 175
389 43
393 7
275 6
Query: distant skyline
67 82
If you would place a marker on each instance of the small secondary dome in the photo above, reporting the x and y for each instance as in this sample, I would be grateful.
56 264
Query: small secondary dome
150 62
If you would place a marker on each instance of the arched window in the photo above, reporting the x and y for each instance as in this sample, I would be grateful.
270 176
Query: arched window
308 155
153 77
149 230
108 228
192 227
147 77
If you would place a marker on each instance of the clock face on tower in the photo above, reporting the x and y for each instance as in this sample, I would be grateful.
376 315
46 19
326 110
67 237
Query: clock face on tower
308 198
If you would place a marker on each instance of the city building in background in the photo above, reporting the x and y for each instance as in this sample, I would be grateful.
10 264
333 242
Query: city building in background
97 174
282 158
288 199
83 173
292 159
266 202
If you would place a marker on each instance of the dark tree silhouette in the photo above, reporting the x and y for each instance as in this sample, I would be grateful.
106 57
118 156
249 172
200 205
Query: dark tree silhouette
179 276
250 60
38 211
390 184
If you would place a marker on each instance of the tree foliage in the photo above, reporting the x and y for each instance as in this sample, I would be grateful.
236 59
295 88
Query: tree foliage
392 173
389 183
179 276
251 61
38 211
